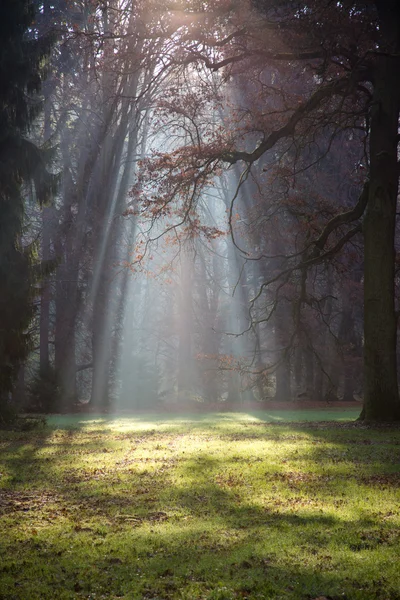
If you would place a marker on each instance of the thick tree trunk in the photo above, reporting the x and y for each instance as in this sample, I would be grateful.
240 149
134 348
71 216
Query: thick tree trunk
381 397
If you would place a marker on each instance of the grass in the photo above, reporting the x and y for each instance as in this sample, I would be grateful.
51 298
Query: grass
214 507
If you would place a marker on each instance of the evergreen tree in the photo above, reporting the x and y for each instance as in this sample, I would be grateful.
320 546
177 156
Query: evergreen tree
22 60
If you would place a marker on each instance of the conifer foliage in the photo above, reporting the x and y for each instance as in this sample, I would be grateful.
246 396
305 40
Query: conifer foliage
22 60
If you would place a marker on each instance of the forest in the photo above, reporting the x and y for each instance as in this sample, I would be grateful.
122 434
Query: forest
200 278
199 204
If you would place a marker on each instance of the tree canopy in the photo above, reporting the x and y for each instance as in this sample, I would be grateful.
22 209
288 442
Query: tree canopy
226 222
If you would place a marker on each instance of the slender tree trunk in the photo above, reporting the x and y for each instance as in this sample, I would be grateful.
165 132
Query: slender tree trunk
44 323
318 380
348 387
64 344
298 368
283 392
185 365
210 338
309 372
346 336
47 215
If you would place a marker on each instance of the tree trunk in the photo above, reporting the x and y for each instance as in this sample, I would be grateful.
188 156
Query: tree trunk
283 391
318 382
381 396
44 324
64 342
185 365
18 393
309 371
298 368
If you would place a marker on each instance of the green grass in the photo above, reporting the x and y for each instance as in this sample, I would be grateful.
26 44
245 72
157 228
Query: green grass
216 507
266 416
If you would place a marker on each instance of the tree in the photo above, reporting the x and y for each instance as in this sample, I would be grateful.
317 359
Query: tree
22 55
101 82
348 54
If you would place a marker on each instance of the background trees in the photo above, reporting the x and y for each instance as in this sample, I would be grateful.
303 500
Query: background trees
259 143
347 55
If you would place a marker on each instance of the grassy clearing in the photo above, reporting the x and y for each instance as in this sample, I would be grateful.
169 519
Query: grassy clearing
215 508
265 416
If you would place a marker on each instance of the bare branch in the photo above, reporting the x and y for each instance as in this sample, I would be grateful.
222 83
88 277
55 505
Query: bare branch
322 257
339 87
346 217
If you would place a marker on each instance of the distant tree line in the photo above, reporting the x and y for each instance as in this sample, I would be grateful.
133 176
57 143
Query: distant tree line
198 204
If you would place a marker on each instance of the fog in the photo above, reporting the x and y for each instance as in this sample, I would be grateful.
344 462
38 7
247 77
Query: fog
176 280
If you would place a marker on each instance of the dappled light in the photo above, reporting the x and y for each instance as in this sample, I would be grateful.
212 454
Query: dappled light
200 283
203 509
200 248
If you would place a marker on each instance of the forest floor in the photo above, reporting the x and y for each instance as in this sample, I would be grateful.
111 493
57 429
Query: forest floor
215 507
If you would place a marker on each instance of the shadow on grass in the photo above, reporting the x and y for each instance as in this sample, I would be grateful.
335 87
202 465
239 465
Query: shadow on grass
185 529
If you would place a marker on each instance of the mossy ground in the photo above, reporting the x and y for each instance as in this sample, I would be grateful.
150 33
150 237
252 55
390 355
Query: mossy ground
215 507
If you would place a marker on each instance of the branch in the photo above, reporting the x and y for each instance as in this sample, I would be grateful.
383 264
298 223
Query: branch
316 257
84 367
346 217
287 56
331 89
322 257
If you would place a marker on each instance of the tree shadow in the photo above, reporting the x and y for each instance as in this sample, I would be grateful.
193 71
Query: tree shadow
187 525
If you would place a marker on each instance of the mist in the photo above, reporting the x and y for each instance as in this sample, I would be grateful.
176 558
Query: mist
176 280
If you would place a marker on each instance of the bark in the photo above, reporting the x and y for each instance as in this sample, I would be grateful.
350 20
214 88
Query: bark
309 371
210 323
122 330
318 382
325 386
110 202
381 396
283 392
185 365
346 337
64 342
298 368
44 323
18 394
